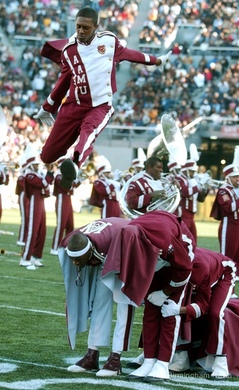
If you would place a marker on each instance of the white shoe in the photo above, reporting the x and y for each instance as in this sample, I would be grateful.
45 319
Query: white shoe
180 362
220 367
54 252
106 373
159 371
31 267
75 368
36 262
24 263
144 370
20 243
206 362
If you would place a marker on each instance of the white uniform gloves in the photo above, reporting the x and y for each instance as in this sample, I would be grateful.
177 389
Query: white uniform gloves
45 117
170 308
165 58
157 298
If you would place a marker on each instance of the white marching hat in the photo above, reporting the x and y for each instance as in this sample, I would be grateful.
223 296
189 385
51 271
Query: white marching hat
136 162
106 167
31 155
231 170
190 164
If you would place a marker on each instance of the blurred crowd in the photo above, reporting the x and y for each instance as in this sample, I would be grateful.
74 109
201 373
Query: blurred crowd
219 18
184 88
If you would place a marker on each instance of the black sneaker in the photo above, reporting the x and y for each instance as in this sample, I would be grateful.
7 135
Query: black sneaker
68 171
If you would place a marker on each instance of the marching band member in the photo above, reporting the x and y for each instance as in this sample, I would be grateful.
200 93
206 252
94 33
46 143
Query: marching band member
191 193
84 250
63 208
88 64
37 188
23 202
137 165
226 209
146 189
152 242
4 180
105 192
213 278
174 169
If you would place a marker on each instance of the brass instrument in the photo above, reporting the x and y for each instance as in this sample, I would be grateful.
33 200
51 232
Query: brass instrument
170 141
206 181
87 171
125 173
10 164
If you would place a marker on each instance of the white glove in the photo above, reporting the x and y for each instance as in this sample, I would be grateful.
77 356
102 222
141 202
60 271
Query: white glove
117 174
157 298
170 308
204 179
165 58
45 117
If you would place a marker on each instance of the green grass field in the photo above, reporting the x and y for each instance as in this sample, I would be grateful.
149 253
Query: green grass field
34 346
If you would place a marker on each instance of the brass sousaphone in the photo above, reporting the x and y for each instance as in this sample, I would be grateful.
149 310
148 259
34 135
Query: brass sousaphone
169 141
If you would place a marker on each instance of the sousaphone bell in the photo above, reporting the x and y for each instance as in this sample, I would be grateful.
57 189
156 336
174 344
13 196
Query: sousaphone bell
171 142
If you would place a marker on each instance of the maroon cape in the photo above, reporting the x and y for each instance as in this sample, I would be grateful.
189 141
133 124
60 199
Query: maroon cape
133 255
134 271
52 49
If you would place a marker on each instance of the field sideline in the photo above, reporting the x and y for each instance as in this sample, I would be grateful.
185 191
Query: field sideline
34 347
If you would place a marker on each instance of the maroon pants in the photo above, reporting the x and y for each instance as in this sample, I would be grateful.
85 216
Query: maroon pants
160 334
64 219
73 121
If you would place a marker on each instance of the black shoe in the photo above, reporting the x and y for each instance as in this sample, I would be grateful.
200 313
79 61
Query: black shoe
68 172
131 377
133 365
218 378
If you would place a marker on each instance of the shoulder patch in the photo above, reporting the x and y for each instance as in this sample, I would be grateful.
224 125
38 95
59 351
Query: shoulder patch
225 198
102 33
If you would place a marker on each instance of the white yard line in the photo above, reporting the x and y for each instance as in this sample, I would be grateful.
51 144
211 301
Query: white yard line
179 381
44 311
32 310
31 280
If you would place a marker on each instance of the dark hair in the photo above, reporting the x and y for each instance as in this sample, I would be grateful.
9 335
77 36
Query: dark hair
90 13
151 161
77 241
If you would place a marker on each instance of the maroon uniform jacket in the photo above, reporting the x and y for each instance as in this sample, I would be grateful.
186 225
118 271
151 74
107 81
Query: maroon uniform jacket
226 209
24 203
100 57
105 195
138 192
79 298
209 268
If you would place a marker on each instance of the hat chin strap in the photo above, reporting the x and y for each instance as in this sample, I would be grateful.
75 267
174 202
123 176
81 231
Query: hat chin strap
230 182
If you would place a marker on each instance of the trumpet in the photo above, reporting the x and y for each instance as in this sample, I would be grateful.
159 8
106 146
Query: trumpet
215 183
87 171
206 181
10 164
